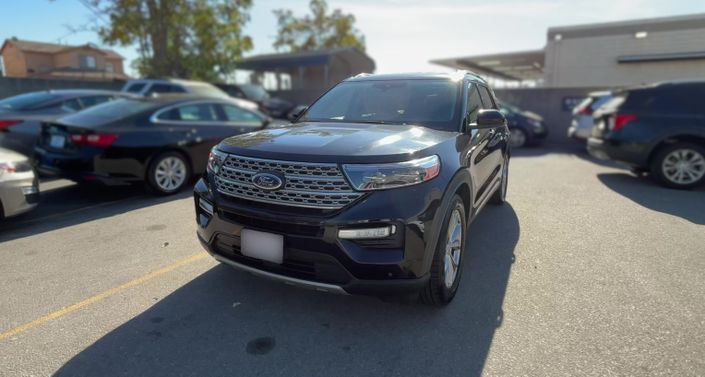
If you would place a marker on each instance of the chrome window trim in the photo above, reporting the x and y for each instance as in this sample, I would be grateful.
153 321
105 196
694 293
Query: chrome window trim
154 118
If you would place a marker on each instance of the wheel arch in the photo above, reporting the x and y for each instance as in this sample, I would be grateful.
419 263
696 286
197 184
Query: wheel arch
680 138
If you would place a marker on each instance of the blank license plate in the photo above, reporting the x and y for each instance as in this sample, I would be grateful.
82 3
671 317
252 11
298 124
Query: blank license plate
261 245
57 141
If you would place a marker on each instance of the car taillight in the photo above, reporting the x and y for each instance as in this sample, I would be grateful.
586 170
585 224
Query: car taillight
585 110
4 123
94 140
621 120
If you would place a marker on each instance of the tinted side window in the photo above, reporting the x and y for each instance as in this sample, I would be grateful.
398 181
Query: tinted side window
163 88
94 100
474 103
197 112
135 88
236 114
677 99
72 104
487 100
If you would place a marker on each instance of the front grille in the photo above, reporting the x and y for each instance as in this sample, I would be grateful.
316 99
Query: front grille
310 185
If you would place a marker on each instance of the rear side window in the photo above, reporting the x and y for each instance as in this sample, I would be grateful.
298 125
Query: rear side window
193 113
164 88
487 100
72 104
474 103
135 88
91 101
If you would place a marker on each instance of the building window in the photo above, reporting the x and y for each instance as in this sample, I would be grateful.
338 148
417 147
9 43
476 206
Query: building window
88 61
109 67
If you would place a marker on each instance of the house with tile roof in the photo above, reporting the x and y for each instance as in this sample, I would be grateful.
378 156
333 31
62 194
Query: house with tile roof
21 58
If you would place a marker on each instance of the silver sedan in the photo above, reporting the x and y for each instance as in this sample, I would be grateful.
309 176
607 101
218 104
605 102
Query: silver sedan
19 189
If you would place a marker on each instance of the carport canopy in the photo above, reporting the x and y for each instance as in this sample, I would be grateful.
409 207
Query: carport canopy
511 66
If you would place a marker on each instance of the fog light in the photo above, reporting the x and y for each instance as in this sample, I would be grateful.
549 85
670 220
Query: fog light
29 190
205 206
356 234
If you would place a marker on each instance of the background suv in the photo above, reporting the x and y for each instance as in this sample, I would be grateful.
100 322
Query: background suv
659 128
369 192
149 87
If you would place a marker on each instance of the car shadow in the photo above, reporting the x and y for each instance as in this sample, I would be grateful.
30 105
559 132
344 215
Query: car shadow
689 205
226 322
63 203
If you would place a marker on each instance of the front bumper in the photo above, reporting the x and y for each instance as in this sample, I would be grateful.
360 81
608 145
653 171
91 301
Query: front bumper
19 193
314 257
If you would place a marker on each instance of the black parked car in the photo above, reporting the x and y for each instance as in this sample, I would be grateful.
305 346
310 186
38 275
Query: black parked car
21 116
273 106
526 128
162 141
659 128
370 192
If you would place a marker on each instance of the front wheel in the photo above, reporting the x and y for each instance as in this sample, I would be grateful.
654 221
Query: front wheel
680 166
168 173
447 265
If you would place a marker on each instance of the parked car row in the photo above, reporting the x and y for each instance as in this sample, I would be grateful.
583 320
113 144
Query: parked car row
154 131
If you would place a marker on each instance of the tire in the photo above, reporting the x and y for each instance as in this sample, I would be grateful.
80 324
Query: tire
500 195
439 292
518 138
168 173
679 166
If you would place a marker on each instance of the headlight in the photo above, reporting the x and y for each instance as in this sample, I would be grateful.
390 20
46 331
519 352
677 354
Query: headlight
215 159
14 167
367 177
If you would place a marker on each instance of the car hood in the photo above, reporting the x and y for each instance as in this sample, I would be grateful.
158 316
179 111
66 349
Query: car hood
337 142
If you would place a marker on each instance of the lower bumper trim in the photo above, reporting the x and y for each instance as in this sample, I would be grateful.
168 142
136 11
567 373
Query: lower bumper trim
321 287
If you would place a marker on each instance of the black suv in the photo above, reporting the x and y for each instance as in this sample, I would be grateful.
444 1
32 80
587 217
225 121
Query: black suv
658 128
369 192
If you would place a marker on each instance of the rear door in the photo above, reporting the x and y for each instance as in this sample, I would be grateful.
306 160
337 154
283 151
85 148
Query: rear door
195 127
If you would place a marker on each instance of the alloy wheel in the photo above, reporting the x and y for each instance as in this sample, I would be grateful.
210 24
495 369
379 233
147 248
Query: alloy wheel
170 173
683 166
454 238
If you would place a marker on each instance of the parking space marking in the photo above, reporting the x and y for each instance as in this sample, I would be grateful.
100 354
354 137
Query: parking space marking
101 296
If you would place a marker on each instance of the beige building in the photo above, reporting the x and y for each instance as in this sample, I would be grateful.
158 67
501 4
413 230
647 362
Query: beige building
22 58
606 55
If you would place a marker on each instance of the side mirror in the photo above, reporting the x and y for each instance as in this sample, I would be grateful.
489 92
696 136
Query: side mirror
296 113
490 118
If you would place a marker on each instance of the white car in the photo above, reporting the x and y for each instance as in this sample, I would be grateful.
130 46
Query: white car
19 187
581 127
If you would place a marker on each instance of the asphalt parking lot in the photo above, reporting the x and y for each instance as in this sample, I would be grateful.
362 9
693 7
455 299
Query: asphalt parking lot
587 271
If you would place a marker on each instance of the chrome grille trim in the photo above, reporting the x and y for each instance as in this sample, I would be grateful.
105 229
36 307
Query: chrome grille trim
310 185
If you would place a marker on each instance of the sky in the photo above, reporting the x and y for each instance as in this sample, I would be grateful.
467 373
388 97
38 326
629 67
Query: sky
401 35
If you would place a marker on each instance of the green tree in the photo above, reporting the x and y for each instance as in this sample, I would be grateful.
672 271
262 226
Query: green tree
199 39
319 30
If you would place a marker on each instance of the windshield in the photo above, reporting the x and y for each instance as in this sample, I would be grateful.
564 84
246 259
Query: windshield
432 103
27 101
254 92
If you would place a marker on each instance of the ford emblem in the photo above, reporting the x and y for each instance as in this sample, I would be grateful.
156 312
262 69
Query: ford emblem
267 181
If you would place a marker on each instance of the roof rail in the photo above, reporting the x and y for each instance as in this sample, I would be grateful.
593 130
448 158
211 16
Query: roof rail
363 74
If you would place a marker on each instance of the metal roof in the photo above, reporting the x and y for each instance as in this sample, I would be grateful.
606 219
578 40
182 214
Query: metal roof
53 48
519 66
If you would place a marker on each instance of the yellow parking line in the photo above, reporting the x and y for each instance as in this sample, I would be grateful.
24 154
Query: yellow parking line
100 296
